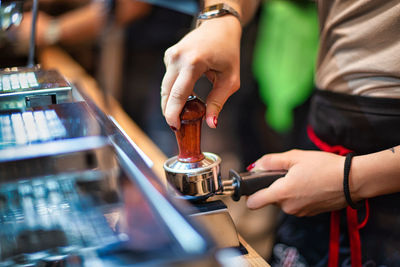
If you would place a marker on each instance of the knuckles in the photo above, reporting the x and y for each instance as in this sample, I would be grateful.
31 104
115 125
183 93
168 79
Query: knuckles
293 152
235 83
177 95
217 105
188 60
171 55
293 209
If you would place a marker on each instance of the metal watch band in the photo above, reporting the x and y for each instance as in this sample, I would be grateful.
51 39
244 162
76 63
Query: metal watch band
215 11
53 32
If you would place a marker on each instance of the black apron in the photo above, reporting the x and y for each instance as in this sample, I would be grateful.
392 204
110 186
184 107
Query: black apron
364 125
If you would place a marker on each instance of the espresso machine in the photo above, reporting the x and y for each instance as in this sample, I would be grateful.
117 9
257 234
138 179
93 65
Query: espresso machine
195 176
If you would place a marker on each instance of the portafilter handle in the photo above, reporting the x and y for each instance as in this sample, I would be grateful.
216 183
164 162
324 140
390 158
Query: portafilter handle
189 135
247 183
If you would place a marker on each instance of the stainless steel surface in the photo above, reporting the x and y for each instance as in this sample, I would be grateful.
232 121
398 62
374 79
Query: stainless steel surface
64 156
220 225
22 88
52 140
47 219
228 187
196 180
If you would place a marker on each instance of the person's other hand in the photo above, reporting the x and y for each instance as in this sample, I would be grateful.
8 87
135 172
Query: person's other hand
212 49
313 184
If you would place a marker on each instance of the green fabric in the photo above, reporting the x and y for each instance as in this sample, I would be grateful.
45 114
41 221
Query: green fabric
284 58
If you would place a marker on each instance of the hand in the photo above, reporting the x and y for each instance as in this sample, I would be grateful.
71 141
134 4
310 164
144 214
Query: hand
212 49
313 184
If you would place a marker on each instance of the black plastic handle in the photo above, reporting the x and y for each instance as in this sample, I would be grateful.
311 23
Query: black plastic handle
247 183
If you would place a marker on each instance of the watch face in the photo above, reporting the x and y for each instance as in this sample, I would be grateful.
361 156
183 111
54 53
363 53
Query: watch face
216 13
213 7
212 11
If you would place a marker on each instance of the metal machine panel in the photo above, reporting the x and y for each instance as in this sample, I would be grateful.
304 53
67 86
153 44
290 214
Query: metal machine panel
51 140
22 88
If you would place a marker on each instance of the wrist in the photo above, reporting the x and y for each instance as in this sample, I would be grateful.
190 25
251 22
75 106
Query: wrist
349 191
356 181
228 23
369 177
52 32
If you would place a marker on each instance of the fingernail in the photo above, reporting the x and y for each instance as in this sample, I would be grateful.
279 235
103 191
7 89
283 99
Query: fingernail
215 121
250 167
173 128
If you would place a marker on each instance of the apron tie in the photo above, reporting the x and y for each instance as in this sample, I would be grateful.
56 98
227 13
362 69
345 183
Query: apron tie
352 219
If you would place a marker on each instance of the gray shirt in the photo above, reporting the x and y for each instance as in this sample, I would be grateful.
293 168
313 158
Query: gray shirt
359 47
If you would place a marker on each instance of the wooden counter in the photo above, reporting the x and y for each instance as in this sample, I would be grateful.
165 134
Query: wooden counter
56 58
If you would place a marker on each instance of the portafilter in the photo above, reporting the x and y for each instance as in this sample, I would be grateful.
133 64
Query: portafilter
196 175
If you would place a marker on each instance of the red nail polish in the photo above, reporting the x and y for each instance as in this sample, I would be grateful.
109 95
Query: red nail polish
250 167
173 128
215 121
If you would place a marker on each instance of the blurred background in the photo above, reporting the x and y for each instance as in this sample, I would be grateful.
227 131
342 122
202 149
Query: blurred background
121 43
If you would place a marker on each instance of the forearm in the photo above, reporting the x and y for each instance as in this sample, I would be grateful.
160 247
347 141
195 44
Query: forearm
246 8
375 174
87 23
82 24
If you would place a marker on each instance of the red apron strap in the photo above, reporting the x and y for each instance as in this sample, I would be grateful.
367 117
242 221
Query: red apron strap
354 236
340 150
352 219
334 238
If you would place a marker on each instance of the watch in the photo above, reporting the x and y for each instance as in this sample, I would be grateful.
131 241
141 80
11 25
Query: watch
53 32
215 11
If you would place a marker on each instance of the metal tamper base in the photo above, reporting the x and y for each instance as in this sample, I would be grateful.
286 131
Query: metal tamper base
195 180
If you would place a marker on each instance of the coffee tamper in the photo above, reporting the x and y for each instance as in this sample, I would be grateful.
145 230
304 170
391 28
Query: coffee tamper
196 175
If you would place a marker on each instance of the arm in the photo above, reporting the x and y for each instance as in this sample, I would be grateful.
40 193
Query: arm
212 49
83 24
86 23
376 174
314 182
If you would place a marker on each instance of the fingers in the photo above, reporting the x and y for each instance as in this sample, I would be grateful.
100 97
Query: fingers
166 86
276 161
265 196
180 91
214 52
274 193
223 88
178 85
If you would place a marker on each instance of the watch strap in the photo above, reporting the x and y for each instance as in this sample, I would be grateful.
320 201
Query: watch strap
215 11
53 32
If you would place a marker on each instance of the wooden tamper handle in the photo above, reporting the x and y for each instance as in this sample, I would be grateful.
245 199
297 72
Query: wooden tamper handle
189 135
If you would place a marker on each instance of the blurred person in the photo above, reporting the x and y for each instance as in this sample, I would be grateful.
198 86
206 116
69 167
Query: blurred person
356 108
78 26
83 23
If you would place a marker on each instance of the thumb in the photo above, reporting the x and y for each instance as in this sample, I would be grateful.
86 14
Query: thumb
223 88
265 196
